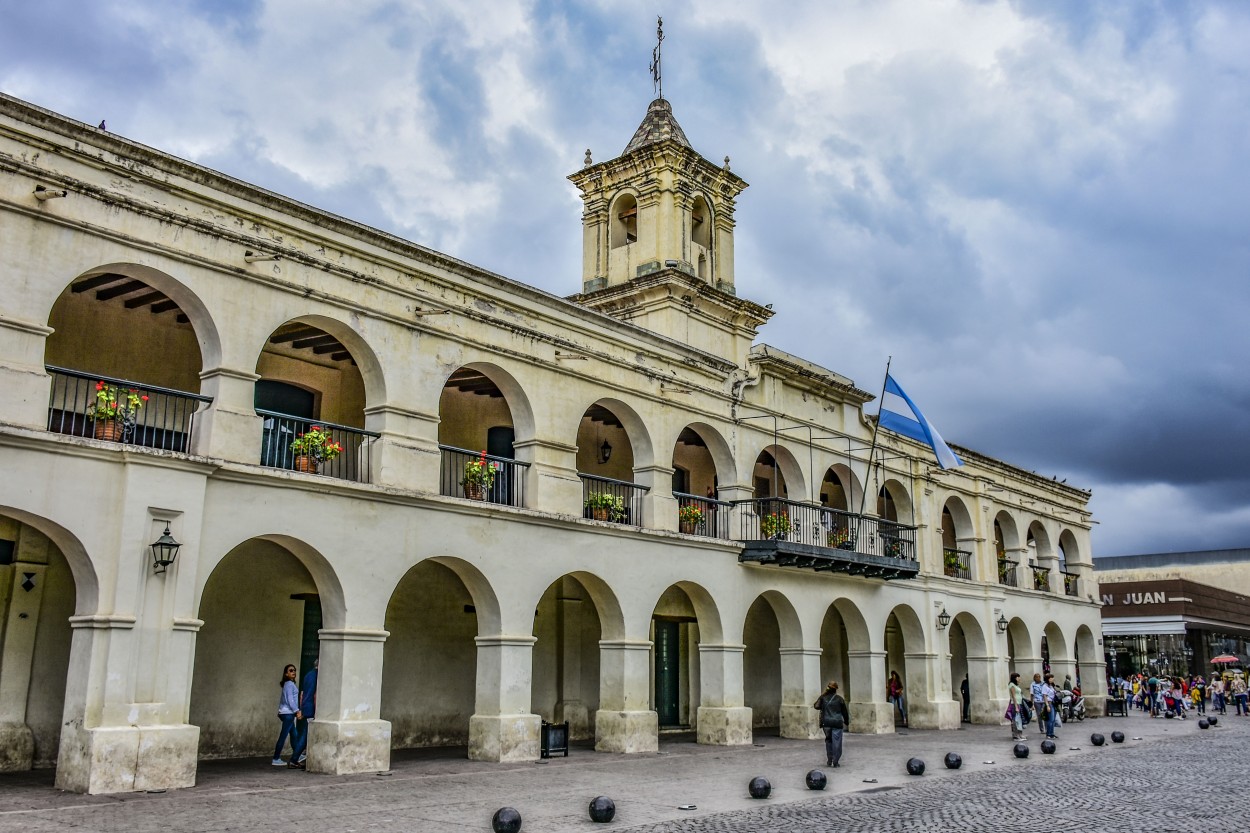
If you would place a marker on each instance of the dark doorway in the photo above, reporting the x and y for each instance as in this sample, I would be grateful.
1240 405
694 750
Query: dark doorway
667 672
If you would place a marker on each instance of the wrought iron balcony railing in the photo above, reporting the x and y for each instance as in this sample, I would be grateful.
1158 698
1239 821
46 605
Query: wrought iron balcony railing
1041 578
780 519
617 501
1007 572
162 418
703 516
280 430
957 563
1070 583
503 483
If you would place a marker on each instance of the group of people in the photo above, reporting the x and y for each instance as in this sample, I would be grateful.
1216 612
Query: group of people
1042 701
296 707
1173 696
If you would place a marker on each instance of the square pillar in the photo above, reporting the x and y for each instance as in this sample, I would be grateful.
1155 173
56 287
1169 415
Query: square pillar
800 686
502 727
22 376
723 719
625 722
229 428
865 693
347 735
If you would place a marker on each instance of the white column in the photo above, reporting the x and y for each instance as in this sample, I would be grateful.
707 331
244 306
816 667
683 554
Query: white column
229 428
865 693
502 727
625 722
22 377
800 686
406 455
723 719
348 735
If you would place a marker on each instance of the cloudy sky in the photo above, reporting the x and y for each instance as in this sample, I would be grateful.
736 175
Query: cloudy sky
1039 208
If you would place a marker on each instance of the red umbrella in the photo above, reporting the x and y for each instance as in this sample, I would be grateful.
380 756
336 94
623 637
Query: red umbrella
1224 658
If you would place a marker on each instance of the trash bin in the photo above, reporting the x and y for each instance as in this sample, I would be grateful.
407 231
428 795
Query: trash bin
554 739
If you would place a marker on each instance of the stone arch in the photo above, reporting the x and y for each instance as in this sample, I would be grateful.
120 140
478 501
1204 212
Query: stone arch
1090 666
958 539
905 653
1039 544
623 220
789 481
1069 549
262 604
845 643
519 405
685 620
972 655
894 502
724 466
847 491
187 302
1006 533
635 429
366 360
86 581
1020 649
701 221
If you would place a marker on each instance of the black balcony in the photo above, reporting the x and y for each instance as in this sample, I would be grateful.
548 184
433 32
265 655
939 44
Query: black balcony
703 516
1041 578
786 533
140 415
352 462
1007 572
615 501
504 483
956 563
1070 586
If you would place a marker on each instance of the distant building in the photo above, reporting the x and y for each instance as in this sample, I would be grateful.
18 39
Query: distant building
1172 613
482 506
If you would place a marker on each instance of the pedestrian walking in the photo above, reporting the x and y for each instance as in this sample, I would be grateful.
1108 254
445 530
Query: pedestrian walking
288 713
966 697
1015 706
1217 695
835 717
894 694
308 708
1037 695
1239 695
1051 706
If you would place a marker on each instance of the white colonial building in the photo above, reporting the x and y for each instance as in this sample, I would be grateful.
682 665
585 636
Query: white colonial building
667 537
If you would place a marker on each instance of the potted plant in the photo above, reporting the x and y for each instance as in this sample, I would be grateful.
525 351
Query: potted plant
115 410
951 563
689 518
479 477
775 525
606 507
839 538
312 447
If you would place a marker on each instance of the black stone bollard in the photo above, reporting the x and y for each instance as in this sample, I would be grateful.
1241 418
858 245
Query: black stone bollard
817 780
602 809
506 820
1021 750
953 761
759 787
1097 739
1048 747
915 766
1169 715
1117 737
1204 724
1213 720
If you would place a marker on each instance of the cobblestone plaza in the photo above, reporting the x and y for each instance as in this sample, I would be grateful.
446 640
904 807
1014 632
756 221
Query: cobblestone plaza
1168 775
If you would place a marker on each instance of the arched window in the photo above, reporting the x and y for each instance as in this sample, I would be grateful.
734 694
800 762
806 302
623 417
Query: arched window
701 223
624 221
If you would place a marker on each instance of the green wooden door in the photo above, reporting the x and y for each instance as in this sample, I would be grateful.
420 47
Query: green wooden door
667 672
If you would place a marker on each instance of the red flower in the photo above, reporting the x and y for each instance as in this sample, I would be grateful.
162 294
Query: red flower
316 428
99 386
144 398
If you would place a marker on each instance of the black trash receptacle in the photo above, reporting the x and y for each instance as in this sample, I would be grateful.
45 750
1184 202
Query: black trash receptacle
554 739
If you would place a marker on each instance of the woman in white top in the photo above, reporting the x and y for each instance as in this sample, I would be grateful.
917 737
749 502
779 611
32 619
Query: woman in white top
288 713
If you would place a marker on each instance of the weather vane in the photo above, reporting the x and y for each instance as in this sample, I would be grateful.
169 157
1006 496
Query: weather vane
655 58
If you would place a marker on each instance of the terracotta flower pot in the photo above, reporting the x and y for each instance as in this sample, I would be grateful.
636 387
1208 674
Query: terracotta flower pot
474 491
599 513
306 463
687 527
108 429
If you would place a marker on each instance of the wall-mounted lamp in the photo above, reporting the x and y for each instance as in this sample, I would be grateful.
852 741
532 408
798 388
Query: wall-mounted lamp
605 452
44 194
164 550
944 619
257 257
1002 623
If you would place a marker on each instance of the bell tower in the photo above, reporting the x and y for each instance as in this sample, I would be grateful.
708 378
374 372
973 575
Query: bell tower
658 240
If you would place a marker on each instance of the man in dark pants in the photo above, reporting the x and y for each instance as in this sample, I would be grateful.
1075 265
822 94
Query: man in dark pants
963 694
834 718
308 708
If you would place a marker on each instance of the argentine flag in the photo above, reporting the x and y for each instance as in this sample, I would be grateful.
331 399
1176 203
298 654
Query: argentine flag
900 415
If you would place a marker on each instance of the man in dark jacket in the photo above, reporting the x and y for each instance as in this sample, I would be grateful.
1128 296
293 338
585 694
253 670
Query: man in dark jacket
834 718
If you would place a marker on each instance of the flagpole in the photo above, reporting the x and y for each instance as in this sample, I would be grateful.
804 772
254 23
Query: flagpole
863 499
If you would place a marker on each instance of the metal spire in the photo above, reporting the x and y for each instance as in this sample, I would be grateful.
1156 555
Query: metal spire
655 58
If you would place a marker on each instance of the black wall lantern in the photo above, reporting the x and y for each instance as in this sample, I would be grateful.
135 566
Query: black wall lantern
1002 623
164 550
944 619
605 452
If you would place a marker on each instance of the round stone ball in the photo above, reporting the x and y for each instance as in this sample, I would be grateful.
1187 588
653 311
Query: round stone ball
1204 724
1213 720
602 809
1048 747
953 761
759 787
1097 739
1021 750
1169 715
1117 737
817 780
915 766
506 820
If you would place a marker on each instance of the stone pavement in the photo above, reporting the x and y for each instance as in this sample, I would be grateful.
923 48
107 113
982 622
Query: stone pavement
1175 778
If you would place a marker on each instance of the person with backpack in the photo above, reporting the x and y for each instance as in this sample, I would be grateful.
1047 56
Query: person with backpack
835 717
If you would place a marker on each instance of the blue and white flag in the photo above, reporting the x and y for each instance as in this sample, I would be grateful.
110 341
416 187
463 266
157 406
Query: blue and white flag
900 415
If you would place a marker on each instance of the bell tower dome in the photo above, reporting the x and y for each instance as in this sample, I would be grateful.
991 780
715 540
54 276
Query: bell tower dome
658 239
